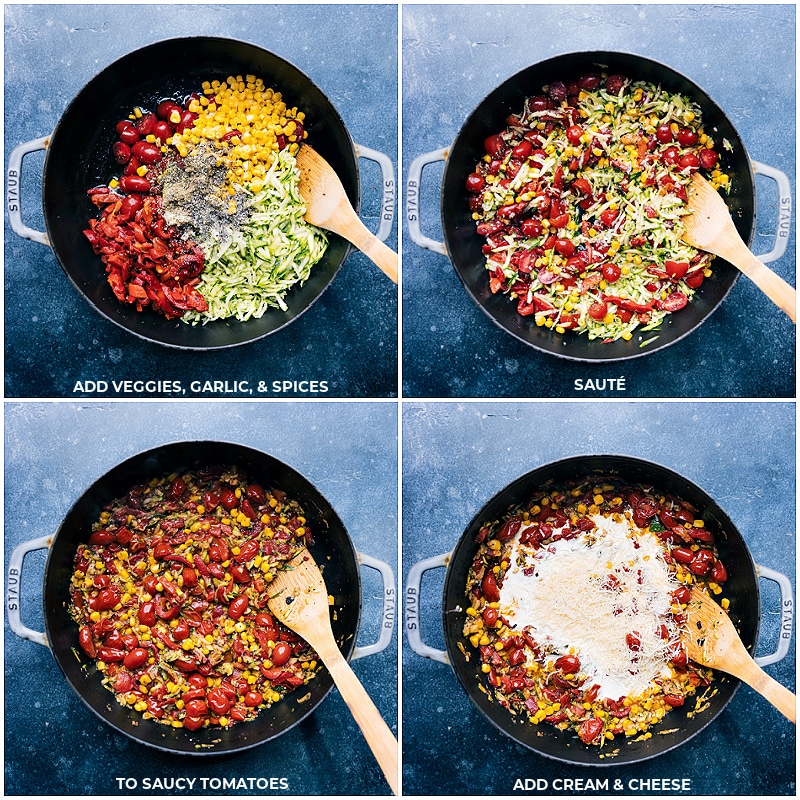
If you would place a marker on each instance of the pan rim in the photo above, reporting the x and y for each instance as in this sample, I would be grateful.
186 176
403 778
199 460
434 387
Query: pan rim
302 713
578 461
597 57
139 320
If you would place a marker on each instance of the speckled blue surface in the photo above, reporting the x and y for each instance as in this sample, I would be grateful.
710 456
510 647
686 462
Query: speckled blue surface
456 456
54 338
743 56
55 451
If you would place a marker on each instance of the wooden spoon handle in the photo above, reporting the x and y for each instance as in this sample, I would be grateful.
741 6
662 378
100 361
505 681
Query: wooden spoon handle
379 736
371 246
768 687
773 286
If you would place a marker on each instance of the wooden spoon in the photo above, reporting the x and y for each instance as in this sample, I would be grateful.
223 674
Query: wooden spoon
299 599
327 206
712 640
710 227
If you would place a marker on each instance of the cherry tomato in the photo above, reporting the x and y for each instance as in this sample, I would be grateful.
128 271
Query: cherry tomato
148 153
609 216
494 145
121 152
683 555
124 682
210 501
574 133
564 247
110 654
676 269
127 133
569 664
86 642
135 658
590 729
490 616
107 598
682 594
675 301
255 493
489 587
134 183
238 607
193 723
187 121
218 702
144 125
165 109
248 551
131 203
196 708
522 150
708 158
197 681
633 641
674 700
610 272
162 131
531 227
147 614
670 156
181 631
189 577
101 537
253 699
281 653
162 549
686 137
664 133
689 161
228 499
696 280
598 310
718 572
218 551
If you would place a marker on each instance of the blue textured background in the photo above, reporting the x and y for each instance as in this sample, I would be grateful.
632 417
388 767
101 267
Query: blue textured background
53 337
455 55
55 451
456 456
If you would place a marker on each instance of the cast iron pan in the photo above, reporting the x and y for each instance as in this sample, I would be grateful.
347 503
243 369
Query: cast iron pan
332 549
464 245
79 157
741 588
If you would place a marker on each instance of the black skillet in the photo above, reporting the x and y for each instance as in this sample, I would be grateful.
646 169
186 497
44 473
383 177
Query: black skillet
464 245
677 727
332 549
78 157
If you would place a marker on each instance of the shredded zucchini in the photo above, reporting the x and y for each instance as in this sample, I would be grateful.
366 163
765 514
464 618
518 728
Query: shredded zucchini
271 252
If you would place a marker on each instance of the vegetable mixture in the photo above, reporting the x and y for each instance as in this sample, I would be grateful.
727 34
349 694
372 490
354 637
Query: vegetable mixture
206 221
580 201
577 599
170 596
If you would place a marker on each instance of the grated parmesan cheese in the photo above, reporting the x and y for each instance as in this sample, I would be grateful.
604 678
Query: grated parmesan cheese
585 595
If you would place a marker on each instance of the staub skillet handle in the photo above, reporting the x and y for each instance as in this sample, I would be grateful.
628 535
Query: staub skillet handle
387 188
412 615
13 201
412 200
787 616
13 584
784 210
387 619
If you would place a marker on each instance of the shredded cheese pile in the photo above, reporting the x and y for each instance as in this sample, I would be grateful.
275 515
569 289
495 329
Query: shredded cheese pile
585 595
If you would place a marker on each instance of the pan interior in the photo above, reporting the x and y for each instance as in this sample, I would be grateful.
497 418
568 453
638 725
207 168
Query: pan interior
678 726
464 244
332 549
79 157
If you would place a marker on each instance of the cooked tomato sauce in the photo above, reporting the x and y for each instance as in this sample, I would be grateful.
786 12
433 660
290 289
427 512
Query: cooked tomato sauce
170 598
